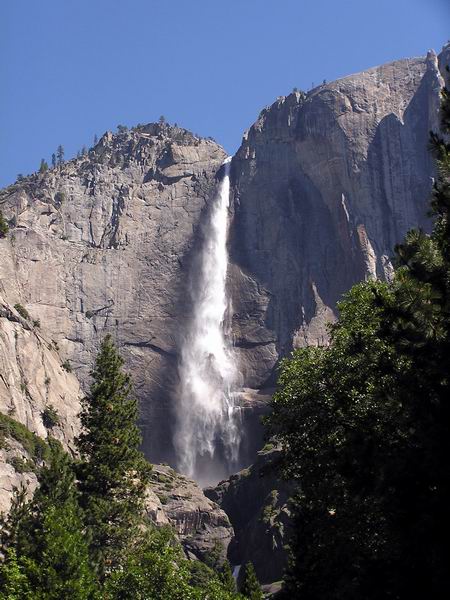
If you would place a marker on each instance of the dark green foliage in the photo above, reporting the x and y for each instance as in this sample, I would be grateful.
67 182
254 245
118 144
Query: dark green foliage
14 583
95 139
213 558
67 366
365 425
90 541
10 523
113 472
36 448
53 160
50 542
227 579
156 569
21 465
22 311
3 226
200 574
50 417
250 587
122 128
43 166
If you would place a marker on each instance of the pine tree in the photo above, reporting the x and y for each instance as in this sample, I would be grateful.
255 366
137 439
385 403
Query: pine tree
113 473
53 160
250 587
95 139
227 579
51 540
43 166
10 523
60 155
3 226
14 583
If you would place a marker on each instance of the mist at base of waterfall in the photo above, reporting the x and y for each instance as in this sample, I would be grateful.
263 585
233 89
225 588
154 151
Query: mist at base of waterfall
208 420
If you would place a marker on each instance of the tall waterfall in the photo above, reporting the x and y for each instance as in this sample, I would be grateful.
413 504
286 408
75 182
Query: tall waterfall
207 438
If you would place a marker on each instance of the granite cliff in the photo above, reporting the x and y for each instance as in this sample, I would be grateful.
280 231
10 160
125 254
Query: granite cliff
102 243
323 186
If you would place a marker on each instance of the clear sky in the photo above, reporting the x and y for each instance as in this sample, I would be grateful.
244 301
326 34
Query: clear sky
74 68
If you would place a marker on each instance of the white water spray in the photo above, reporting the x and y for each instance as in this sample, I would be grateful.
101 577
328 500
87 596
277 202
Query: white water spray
207 438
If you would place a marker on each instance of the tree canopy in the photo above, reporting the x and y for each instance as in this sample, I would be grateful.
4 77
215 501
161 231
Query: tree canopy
364 424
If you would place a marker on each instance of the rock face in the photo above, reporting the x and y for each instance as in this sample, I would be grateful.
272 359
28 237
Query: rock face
257 502
201 526
325 185
15 471
102 244
33 379
37 392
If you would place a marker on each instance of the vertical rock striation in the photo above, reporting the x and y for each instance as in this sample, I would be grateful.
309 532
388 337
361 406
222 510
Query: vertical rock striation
325 185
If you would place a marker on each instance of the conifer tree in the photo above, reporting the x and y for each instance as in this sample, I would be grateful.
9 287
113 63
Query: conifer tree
251 587
14 584
53 160
9 523
227 579
46 541
43 166
95 139
113 472
60 155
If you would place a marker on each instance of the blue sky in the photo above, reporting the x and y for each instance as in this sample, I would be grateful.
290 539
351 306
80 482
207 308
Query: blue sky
74 68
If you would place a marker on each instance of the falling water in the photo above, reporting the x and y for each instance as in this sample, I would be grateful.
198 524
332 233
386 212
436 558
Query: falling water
207 438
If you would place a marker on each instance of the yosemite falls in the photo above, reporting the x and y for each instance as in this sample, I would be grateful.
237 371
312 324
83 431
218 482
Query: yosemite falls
207 437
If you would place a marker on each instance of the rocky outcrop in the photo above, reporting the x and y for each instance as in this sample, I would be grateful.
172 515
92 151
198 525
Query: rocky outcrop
37 388
16 470
325 185
38 397
257 503
201 526
102 244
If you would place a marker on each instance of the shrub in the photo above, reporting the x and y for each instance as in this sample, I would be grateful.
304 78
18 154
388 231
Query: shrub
22 311
34 446
21 465
67 366
50 417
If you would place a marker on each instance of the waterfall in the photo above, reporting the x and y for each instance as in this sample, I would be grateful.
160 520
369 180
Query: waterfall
207 437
